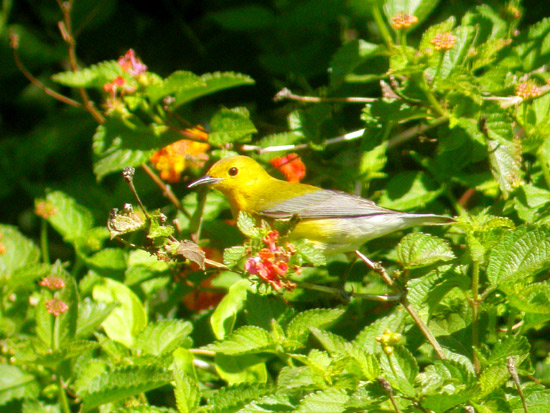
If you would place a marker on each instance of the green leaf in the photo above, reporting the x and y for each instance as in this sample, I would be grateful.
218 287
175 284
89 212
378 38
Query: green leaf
491 379
432 31
163 337
210 83
90 316
233 255
93 76
445 378
247 225
18 250
122 383
70 219
16 384
401 369
348 57
120 143
108 262
247 368
73 349
326 401
535 402
245 340
177 82
418 250
143 266
520 254
231 399
187 392
531 299
504 150
263 310
516 346
298 330
309 252
457 54
373 163
224 316
231 126
409 190
125 322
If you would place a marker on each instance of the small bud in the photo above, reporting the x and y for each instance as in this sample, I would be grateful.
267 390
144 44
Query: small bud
44 209
53 283
128 173
14 40
528 90
443 41
56 307
403 21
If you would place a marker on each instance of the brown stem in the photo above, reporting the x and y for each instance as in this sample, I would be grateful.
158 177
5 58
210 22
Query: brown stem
287 94
65 27
387 388
14 43
376 267
166 190
515 377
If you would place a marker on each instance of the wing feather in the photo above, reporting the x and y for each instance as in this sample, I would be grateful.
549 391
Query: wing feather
324 203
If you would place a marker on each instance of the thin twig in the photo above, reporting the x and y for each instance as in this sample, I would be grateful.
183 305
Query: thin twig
14 44
513 371
387 388
65 27
346 295
166 190
287 94
376 267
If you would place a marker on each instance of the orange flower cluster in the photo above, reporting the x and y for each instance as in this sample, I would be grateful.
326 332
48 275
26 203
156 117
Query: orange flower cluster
528 90
271 263
44 210
172 160
291 166
118 85
443 41
53 283
403 21
56 307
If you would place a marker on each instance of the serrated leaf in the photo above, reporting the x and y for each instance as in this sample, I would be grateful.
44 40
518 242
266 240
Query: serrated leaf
491 379
90 315
419 8
531 299
70 219
177 82
298 330
224 316
365 340
309 252
122 383
162 337
211 83
247 225
535 402
93 76
233 255
247 368
520 254
327 401
504 150
333 343
191 251
126 321
16 384
401 369
445 377
18 250
245 340
230 399
187 392
75 348
418 250
120 143
456 55
231 126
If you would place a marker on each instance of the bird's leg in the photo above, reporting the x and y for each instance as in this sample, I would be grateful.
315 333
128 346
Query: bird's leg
352 260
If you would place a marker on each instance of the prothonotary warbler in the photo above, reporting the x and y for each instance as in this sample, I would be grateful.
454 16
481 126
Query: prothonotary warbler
335 220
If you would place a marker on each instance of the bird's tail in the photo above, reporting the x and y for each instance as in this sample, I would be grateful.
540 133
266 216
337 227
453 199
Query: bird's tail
429 219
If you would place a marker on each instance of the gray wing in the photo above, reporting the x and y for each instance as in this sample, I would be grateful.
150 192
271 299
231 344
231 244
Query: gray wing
324 204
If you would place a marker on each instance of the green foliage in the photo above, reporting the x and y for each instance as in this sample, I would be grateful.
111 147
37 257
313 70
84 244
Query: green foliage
174 305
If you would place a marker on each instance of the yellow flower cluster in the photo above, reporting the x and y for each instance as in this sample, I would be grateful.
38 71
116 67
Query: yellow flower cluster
388 340
443 41
403 21
527 90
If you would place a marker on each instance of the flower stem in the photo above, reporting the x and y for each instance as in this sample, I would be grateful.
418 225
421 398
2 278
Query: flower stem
475 314
382 26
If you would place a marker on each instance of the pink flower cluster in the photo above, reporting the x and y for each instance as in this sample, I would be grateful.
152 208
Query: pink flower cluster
271 263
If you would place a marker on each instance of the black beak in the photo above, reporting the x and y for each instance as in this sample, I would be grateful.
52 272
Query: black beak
207 179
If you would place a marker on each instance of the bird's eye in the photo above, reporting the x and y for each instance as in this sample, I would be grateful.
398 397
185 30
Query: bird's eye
233 171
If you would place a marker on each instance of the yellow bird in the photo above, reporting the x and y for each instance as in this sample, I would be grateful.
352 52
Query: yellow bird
335 220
